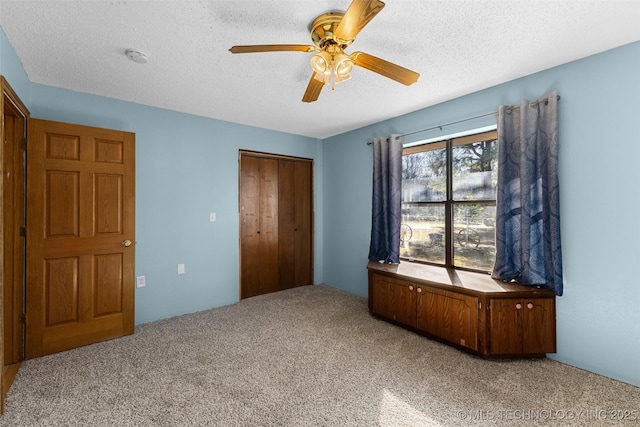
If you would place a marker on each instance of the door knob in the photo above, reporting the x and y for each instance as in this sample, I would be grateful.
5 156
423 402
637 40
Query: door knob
126 243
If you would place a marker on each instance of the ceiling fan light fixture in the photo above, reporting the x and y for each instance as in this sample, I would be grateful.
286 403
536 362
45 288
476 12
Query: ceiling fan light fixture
321 62
331 34
343 66
331 68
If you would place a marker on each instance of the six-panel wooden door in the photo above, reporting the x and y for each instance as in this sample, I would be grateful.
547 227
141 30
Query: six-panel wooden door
80 233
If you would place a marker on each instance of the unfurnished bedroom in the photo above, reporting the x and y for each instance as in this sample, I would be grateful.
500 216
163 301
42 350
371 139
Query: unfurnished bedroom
332 212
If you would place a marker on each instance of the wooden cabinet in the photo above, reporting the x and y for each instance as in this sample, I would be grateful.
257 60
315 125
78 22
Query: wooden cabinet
446 315
276 223
521 325
468 310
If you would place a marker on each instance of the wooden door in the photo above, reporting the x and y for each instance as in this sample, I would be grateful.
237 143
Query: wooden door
276 223
538 326
294 223
448 315
394 299
381 297
460 319
258 226
13 234
427 311
505 326
12 241
80 233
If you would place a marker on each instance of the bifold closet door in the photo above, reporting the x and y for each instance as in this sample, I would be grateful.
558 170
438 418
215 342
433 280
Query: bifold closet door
294 223
258 226
276 223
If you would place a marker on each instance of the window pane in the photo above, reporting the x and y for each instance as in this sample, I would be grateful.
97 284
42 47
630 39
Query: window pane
475 170
422 232
474 232
424 176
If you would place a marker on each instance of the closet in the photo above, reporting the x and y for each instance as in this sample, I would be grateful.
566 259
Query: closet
276 223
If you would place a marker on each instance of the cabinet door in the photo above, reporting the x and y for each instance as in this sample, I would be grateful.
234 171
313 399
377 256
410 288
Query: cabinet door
522 326
394 299
448 315
505 326
462 318
428 311
538 326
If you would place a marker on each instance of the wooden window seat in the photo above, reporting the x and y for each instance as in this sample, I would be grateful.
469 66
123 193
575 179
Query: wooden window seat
466 309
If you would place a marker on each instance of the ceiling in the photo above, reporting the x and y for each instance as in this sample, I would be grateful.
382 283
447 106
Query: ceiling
458 47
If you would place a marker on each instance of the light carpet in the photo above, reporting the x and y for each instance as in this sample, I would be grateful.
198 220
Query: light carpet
310 356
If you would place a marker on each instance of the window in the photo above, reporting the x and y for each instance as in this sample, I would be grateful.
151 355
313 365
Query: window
449 202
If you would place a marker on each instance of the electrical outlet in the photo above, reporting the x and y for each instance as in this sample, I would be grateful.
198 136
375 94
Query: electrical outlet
141 282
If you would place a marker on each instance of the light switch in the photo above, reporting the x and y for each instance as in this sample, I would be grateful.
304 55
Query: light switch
212 217
180 268
141 282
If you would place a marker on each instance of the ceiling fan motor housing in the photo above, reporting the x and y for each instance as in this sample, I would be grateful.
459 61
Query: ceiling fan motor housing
323 30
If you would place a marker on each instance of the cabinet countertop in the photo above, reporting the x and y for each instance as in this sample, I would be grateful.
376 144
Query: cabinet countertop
461 281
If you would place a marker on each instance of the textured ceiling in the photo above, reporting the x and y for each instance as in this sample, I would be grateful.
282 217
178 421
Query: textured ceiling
457 46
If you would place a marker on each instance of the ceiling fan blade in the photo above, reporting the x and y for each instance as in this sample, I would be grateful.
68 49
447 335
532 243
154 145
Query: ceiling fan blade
272 48
359 13
385 68
313 90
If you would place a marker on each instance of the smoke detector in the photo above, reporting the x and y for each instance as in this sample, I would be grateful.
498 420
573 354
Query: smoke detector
136 56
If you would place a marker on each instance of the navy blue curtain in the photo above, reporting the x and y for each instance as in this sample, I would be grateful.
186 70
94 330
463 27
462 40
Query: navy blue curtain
387 198
528 246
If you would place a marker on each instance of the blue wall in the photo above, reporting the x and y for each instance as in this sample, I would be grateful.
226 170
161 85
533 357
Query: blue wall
187 167
599 139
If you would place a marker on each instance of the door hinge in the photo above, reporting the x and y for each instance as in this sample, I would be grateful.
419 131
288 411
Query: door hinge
23 144
23 231
23 318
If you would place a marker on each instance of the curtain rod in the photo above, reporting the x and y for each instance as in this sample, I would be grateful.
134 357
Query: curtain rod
532 104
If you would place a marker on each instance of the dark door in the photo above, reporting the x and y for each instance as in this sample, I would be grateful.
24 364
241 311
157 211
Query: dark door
258 226
276 223
12 247
294 223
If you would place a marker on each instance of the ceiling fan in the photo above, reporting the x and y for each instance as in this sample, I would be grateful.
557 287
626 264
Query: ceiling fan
331 33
